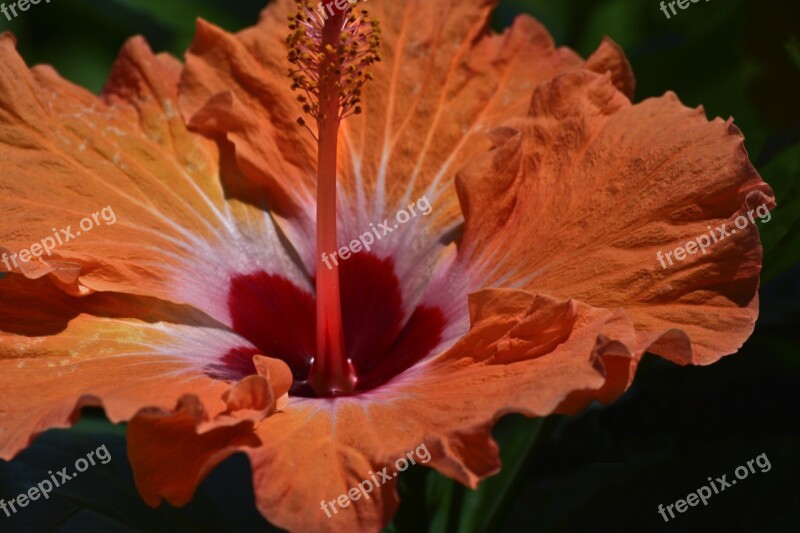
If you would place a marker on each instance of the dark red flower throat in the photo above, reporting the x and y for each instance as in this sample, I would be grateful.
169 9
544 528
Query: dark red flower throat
381 338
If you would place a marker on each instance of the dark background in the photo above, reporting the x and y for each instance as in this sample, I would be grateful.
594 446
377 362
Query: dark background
607 468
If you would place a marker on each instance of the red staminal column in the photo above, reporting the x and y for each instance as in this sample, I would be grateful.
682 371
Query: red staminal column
331 54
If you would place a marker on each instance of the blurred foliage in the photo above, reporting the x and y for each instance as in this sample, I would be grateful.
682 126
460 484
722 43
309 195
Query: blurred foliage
607 468
104 498
83 49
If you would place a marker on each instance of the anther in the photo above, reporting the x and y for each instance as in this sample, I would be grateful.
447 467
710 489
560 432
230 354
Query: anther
331 69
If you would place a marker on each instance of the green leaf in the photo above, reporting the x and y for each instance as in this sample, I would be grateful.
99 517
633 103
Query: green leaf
482 508
449 507
781 235
443 496
413 513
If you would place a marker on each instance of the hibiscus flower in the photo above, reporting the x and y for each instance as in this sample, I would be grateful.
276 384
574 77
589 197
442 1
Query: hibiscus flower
207 318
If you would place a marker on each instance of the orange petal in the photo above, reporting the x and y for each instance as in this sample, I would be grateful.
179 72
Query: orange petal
242 95
578 198
609 57
258 396
155 434
67 154
165 445
118 352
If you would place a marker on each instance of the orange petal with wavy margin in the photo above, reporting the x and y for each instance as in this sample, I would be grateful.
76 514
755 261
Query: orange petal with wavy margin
525 353
114 351
155 434
583 193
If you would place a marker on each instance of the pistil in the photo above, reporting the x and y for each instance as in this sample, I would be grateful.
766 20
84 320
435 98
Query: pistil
330 55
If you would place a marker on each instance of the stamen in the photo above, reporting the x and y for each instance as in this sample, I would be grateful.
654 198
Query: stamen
342 65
